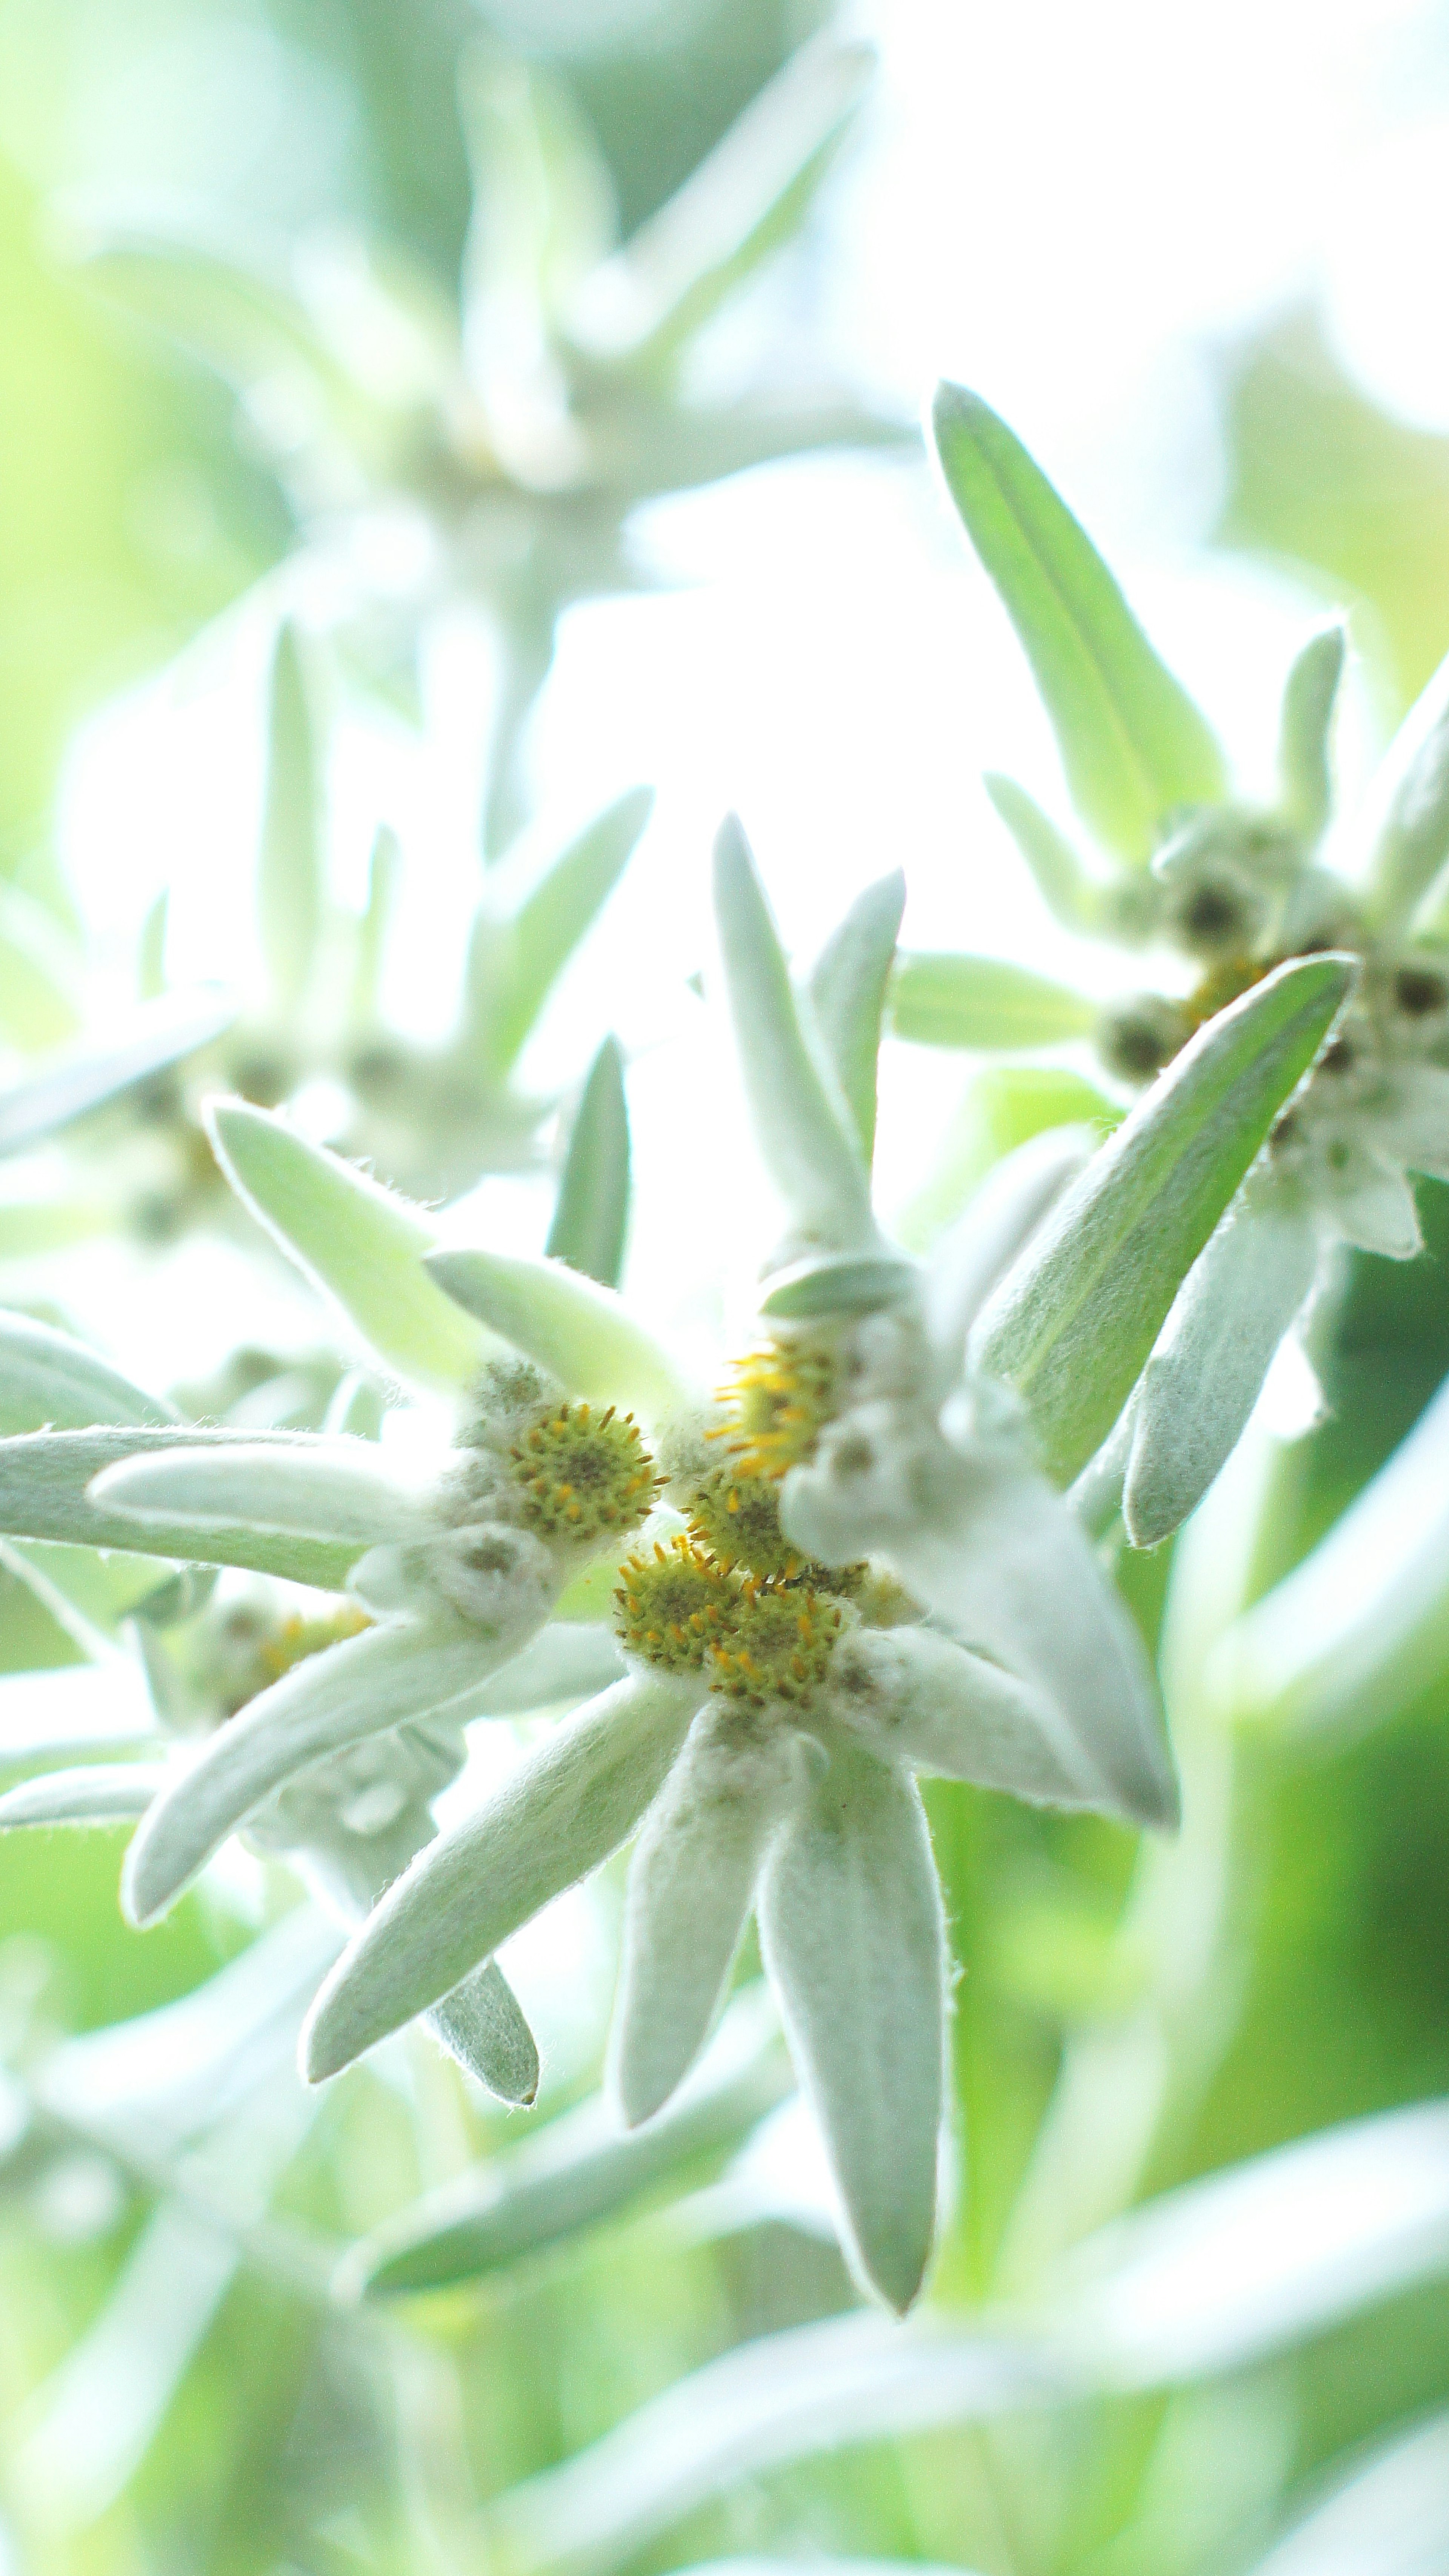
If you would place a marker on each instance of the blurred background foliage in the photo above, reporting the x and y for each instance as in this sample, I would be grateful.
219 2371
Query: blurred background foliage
178 2387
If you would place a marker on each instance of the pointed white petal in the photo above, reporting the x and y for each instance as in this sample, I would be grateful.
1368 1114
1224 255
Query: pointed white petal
1416 1131
567 1807
481 2024
1377 1212
850 1925
996 1225
690 1886
918 1698
354 1690
1204 1377
319 1488
100 1793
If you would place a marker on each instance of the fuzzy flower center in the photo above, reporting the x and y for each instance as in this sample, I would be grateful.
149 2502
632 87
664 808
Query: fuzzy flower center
582 1475
779 1399
673 1605
779 1647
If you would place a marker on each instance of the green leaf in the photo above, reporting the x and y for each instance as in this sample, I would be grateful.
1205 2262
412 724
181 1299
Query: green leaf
516 962
578 1330
1066 887
1409 806
839 1286
848 991
151 949
49 1381
984 1003
1309 699
104 1793
44 1476
1132 743
329 1489
156 1035
591 1212
741 203
573 1800
1003 1107
384 876
482 2025
39 975
577 2171
362 1245
1072 1325
290 893
805 1132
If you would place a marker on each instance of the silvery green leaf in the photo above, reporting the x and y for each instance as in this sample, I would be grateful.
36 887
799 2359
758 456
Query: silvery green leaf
339 1490
571 1803
98 1793
578 2170
1204 1377
290 891
359 1688
1066 888
985 1003
805 1132
1217 2274
994 1227
384 879
1389 2516
90 1710
781 2398
1132 743
95 1070
836 1285
563 1662
691 1881
151 948
1407 819
356 1407
49 1380
848 992
591 1212
482 2025
535 945
918 1698
359 1243
1361 1626
1073 1322
1308 703
40 1003
536 185
44 1494
744 200
851 1930
578 1330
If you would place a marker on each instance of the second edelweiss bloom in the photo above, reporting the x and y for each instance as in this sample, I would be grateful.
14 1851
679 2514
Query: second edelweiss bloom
860 1575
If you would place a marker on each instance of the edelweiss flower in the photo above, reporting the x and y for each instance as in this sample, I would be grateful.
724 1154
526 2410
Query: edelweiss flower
863 1575
1235 891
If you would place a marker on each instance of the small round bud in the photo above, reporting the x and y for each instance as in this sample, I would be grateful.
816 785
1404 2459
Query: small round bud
498 1578
672 1604
779 1647
779 1399
1136 1038
581 1475
737 1517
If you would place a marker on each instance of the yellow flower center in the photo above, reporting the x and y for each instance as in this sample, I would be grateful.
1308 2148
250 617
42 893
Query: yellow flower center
583 1475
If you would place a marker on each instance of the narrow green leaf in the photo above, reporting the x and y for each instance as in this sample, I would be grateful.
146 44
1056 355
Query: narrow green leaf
151 949
835 1287
806 1135
1066 887
1409 806
591 1212
527 954
742 202
156 1035
96 1793
573 1801
1072 1325
984 1003
577 2171
362 1245
1309 698
482 2025
848 991
290 863
49 1381
578 1330
330 1489
384 875
1132 743
40 1002
44 1476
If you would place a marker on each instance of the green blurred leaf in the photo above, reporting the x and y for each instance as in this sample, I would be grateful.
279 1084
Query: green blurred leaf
290 869
574 1327
360 1244
1003 1107
591 1212
384 877
39 975
984 1003
1132 743
93 1071
1309 699
44 1477
104 1793
848 994
1064 884
50 1381
151 949
1072 1325
515 963
740 204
